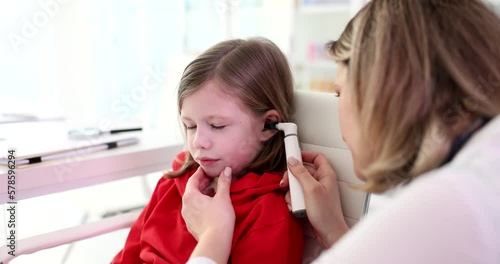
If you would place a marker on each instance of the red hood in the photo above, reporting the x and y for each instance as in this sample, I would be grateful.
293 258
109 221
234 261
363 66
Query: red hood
264 231
245 189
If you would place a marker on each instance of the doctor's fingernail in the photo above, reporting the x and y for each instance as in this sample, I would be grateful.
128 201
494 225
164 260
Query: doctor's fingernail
227 171
293 161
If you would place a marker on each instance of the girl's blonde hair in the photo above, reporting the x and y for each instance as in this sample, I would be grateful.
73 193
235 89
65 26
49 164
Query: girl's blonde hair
256 73
417 67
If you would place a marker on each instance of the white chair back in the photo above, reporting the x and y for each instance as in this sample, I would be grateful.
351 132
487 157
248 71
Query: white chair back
318 130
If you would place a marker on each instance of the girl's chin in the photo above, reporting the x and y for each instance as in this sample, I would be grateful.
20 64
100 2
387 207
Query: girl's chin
212 172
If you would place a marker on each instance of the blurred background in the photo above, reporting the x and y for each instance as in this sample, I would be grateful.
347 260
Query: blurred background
89 61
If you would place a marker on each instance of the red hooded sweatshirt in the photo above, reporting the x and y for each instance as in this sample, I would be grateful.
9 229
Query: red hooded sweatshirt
265 231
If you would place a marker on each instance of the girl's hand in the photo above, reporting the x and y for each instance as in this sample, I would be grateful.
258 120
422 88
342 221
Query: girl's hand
321 195
209 219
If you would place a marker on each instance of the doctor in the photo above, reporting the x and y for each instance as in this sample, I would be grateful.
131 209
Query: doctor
419 88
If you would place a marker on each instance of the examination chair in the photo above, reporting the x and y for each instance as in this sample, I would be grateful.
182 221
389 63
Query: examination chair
318 130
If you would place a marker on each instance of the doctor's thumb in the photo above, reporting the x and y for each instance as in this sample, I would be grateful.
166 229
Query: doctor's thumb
300 172
224 182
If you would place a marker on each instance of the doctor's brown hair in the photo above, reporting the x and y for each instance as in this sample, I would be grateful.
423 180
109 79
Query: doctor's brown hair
415 69
256 73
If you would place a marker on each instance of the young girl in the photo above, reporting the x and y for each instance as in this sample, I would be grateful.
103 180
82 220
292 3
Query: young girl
225 97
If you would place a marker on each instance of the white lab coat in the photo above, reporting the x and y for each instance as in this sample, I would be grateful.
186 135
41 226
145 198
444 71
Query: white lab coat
449 215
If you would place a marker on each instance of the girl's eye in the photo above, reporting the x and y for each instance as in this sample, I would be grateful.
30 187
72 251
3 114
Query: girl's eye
190 127
217 127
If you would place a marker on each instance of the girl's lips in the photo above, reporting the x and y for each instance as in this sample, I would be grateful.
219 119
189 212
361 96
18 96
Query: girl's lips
207 162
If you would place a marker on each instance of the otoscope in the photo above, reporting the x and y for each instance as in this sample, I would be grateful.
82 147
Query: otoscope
292 149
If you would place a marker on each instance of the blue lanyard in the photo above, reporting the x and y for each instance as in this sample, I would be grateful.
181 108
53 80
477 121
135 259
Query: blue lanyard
460 141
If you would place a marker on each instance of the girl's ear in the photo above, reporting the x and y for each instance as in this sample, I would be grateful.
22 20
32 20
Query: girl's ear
270 116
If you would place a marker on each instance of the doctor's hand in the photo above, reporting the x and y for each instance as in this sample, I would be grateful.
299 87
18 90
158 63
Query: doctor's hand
321 195
209 219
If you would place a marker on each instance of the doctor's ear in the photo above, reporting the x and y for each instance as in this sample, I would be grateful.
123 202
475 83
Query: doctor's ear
271 116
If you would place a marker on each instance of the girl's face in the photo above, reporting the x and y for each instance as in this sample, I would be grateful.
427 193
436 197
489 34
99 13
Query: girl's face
220 131
349 121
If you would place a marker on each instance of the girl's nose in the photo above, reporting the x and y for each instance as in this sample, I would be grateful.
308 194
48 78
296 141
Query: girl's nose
201 139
